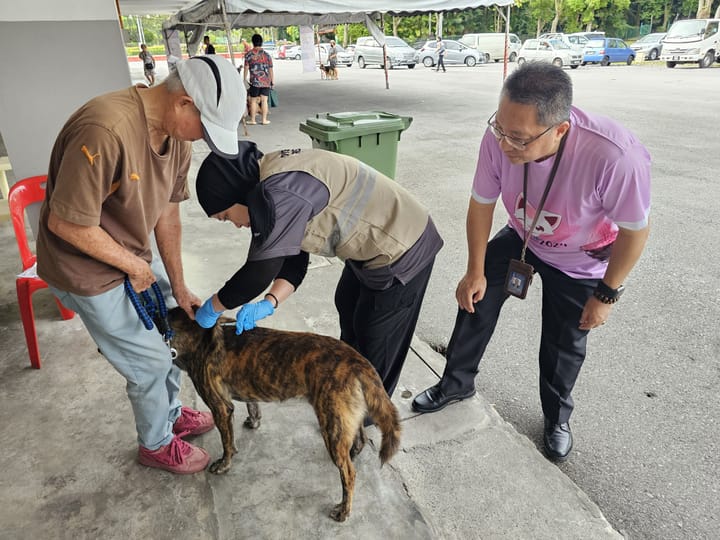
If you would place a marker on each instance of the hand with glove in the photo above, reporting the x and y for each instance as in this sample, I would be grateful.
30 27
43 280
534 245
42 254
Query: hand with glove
249 314
206 316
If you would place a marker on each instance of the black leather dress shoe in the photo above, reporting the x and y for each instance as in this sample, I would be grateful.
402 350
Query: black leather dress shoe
434 399
558 440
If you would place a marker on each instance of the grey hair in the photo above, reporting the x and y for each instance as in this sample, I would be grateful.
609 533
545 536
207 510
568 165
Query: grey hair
173 83
543 85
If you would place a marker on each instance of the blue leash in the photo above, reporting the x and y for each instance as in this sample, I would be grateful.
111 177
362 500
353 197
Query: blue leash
149 311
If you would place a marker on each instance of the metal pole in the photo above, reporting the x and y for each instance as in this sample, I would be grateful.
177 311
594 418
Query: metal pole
226 24
505 16
507 42
141 34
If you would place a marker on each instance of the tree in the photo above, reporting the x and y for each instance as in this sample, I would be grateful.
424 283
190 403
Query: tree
703 10
543 11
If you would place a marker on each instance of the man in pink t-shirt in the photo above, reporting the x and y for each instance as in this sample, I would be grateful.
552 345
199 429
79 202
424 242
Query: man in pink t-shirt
576 187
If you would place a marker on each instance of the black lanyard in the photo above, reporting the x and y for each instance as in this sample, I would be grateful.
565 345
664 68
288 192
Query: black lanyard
526 237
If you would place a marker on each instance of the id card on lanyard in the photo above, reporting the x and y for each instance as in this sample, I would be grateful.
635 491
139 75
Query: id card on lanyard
519 275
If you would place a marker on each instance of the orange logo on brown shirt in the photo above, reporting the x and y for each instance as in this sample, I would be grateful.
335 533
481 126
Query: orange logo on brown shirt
90 157
134 177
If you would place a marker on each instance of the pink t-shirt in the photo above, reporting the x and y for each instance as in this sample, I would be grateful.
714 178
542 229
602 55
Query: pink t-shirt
602 183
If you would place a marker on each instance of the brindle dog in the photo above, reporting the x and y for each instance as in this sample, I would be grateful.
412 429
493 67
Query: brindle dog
273 365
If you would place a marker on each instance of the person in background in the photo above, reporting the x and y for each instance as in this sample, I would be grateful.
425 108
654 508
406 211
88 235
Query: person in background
148 64
332 58
245 46
259 74
208 47
117 173
303 201
441 54
576 187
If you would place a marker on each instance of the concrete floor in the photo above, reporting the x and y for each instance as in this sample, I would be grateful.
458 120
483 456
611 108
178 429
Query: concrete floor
69 452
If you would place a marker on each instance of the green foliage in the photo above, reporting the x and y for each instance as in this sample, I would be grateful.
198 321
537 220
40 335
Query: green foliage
355 31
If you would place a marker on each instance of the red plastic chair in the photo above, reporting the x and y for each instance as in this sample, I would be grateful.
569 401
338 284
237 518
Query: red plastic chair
22 194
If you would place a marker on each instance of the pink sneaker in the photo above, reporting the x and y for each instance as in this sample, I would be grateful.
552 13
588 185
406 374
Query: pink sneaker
178 457
192 422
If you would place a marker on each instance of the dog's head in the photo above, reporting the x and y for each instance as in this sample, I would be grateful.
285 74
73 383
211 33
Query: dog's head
194 345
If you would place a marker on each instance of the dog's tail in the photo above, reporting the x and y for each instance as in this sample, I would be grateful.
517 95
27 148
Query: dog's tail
384 414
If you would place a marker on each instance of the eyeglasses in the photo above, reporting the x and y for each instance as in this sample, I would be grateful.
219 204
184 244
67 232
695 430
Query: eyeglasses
517 144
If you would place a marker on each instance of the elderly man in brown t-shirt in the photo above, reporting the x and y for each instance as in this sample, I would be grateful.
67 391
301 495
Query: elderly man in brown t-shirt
117 174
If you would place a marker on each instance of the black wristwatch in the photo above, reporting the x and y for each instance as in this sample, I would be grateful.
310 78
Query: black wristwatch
608 295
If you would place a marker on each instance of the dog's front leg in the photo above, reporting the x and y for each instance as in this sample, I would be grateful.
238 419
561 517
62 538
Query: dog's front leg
223 414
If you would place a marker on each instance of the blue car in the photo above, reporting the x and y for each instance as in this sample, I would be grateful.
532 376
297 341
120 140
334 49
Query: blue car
607 50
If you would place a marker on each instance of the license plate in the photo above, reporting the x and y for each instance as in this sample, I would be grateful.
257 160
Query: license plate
675 58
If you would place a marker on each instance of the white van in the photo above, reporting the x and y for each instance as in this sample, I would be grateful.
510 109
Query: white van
692 41
493 45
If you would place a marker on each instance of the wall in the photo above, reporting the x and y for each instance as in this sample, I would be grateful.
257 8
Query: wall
56 56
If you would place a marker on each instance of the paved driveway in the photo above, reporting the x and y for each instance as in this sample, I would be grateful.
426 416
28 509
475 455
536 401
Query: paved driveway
647 401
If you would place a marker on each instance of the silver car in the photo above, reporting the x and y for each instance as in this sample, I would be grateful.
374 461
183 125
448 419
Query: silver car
368 51
555 51
344 58
650 46
455 53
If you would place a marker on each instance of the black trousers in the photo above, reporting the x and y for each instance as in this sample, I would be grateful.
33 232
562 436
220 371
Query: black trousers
562 343
380 324
441 62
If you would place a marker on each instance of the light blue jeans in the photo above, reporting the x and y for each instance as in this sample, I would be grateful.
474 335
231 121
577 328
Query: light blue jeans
138 354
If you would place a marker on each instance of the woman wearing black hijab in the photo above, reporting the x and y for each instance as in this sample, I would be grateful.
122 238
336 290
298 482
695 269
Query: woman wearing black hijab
297 202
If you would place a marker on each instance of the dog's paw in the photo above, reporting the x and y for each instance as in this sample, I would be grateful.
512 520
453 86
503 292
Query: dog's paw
340 512
221 466
251 423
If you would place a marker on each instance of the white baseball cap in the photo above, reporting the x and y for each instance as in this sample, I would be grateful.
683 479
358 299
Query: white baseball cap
218 92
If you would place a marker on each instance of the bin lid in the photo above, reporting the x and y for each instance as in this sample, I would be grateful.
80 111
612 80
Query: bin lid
342 125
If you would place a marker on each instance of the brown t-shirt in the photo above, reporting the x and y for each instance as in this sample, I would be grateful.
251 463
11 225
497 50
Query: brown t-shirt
104 173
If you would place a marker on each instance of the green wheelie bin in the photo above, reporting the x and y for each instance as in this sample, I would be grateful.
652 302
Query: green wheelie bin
370 136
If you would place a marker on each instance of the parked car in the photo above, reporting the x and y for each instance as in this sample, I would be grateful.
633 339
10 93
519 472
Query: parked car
269 48
281 50
293 52
588 35
368 51
650 46
576 41
493 45
555 51
607 50
344 58
455 53
695 41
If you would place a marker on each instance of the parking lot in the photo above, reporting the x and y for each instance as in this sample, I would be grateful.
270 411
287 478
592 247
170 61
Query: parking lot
645 423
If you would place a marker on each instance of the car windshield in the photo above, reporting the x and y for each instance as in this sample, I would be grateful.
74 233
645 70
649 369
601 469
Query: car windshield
685 29
395 42
650 38
559 44
596 43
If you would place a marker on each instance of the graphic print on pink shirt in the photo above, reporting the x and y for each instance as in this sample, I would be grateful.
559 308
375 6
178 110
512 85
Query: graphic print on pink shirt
547 224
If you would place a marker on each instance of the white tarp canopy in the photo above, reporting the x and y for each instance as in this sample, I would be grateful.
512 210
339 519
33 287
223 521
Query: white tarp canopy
260 13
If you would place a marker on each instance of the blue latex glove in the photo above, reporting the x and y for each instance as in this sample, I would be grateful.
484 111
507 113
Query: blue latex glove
206 316
249 314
